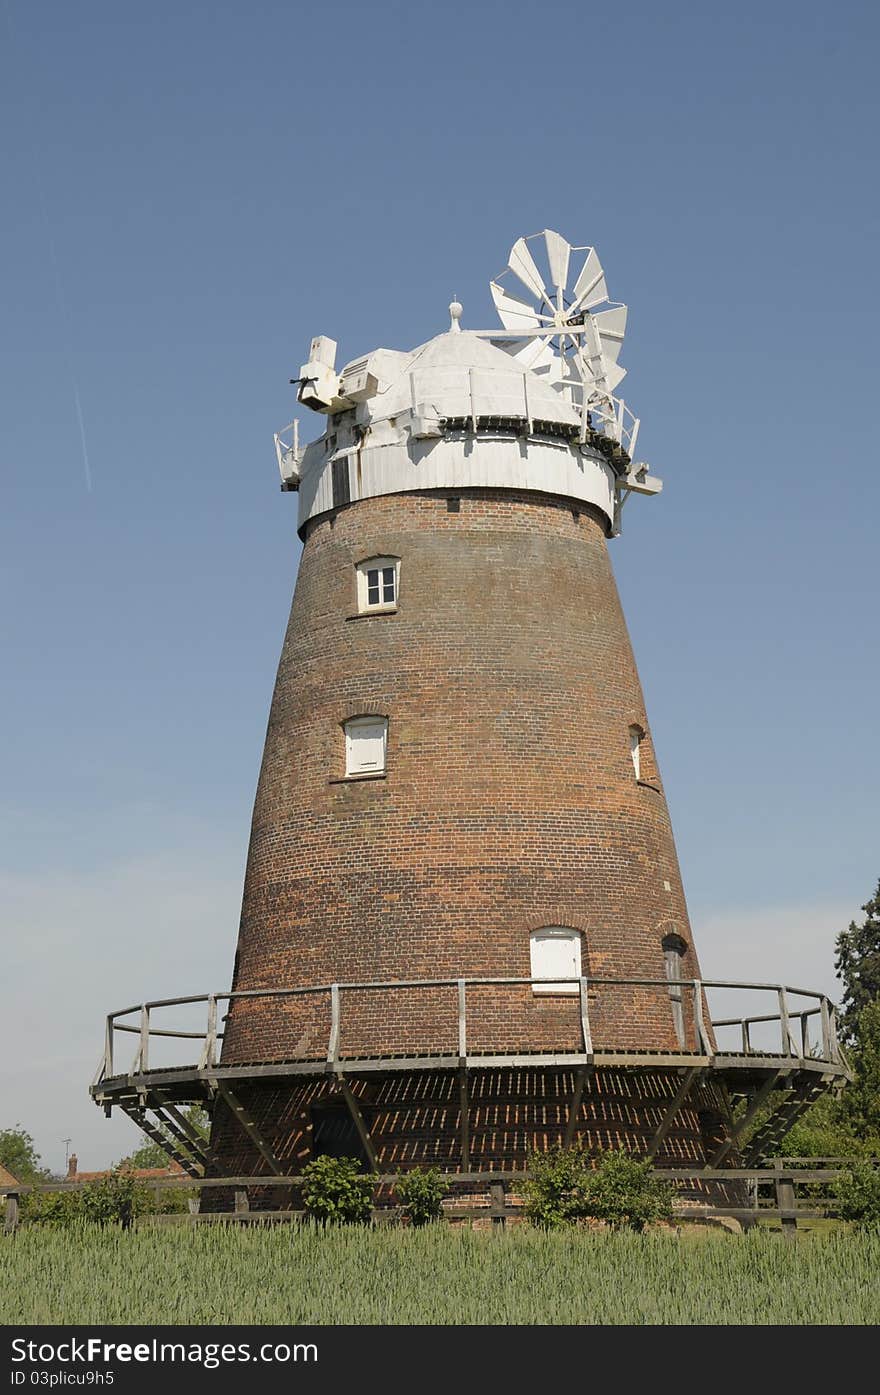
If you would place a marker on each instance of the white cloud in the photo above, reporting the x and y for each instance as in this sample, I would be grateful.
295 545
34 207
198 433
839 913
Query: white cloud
791 944
81 944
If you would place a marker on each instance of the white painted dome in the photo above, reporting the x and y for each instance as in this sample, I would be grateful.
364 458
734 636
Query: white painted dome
456 413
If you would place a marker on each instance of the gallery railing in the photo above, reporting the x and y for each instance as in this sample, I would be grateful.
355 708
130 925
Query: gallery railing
802 1027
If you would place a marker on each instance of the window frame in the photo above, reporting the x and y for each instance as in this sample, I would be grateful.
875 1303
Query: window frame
674 950
549 985
636 737
362 570
349 728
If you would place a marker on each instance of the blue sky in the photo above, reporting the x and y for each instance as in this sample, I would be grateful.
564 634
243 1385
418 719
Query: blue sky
191 192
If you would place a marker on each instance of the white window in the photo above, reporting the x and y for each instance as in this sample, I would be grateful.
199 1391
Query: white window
378 583
366 743
556 954
635 742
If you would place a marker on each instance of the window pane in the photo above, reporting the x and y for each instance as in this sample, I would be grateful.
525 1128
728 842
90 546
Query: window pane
373 594
388 583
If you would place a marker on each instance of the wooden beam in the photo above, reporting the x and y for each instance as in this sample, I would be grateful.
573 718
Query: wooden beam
576 1099
737 1131
168 1145
672 1109
464 1107
183 1139
250 1128
200 1144
363 1131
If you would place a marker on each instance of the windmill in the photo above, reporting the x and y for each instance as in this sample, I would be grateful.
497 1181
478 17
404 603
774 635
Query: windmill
464 933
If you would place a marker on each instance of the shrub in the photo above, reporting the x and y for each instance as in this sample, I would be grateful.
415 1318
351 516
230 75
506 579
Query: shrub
118 1198
858 1196
421 1192
51 1208
555 1194
565 1187
335 1189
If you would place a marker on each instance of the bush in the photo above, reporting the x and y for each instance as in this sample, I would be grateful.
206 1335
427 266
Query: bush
858 1196
118 1198
565 1187
421 1192
335 1189
555 1194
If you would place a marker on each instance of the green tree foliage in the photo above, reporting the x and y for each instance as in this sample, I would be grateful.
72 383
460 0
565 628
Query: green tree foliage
421 1194
566 1187
857 964
860 1101
858 1196
19 1155
114 1200
335 1189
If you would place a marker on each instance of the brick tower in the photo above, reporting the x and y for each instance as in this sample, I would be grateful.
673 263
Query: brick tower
459 780
464 935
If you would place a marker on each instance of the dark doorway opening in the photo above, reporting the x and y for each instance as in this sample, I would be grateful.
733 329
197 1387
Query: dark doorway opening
335 1135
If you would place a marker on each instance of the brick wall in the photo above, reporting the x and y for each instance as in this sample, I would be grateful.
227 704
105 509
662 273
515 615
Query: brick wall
509 803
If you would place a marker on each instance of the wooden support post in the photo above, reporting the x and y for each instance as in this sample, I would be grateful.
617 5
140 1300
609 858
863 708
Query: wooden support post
805 1034
586 1034
363 1132
737 1130
242 1201
108 1048
462 1023
785 1201
497 1204
333 1043
574 1111
250 1128
10 1217
825 1019
209 1050
144 1053
702 1041
784 1026
672 1109
464 1106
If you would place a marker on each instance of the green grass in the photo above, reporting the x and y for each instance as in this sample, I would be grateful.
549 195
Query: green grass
300 1275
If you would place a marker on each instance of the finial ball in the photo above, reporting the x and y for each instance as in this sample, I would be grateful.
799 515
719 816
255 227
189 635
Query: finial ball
455 313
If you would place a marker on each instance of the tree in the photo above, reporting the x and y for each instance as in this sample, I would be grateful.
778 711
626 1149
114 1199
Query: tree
860 1101
857 964
19 1155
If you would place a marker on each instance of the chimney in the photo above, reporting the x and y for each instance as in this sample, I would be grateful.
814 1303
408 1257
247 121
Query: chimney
72 1167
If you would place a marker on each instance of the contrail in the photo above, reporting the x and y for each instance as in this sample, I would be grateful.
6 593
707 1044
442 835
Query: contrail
82 437
60 297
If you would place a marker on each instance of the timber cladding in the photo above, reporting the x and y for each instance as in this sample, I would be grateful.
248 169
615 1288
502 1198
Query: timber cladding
509 802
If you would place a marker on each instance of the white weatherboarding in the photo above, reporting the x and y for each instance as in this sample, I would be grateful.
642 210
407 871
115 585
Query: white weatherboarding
529 407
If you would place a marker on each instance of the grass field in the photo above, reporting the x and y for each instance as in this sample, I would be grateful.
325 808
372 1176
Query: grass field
301 1275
